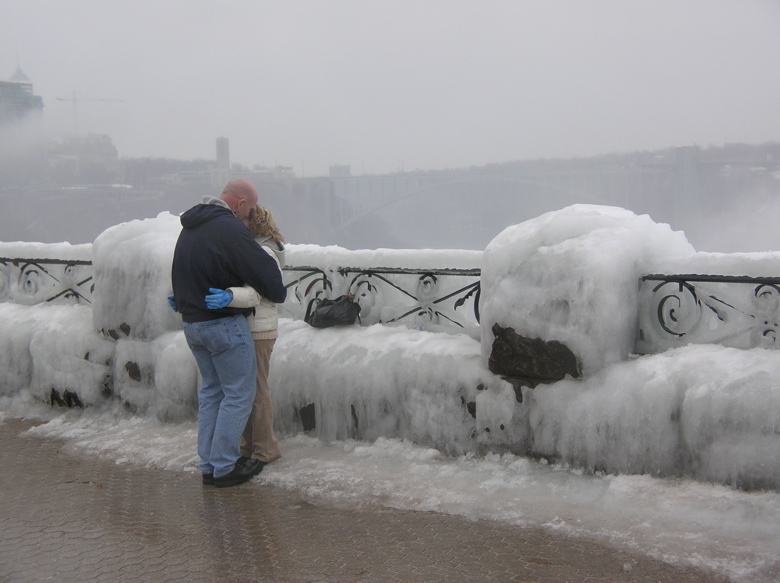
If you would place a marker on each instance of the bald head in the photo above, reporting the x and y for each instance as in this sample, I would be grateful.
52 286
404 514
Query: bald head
241 196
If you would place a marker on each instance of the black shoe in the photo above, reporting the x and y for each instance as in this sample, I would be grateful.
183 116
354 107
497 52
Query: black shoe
241 473
260 463
208 479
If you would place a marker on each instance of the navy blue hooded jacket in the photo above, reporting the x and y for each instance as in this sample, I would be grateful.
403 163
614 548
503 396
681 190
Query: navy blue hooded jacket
215 249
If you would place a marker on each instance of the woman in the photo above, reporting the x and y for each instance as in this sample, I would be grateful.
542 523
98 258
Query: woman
258 440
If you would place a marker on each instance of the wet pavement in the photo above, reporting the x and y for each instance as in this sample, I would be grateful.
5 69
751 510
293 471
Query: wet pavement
75 518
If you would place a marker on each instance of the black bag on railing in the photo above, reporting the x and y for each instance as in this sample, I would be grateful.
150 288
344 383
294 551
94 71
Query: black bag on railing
323 313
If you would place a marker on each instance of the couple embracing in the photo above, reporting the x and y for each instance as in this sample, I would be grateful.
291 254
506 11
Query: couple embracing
227 280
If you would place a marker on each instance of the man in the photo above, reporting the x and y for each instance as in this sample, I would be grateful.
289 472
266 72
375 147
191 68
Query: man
216 250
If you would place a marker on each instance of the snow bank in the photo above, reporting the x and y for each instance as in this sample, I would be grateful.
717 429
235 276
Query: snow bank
758 264
705 411
157 378
333 257
379 382
61 251
54 347
132 272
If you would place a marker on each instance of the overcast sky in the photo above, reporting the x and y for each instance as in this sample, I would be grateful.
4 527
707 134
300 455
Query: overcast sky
385 85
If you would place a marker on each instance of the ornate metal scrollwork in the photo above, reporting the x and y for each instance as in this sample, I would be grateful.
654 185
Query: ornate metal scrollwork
5 279
306 284
679 308
368 296
417 298
736 311
34 281
766 300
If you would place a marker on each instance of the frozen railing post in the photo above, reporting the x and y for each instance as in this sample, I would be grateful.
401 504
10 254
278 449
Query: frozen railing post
559 292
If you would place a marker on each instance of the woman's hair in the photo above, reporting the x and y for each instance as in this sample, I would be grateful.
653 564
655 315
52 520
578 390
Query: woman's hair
261 223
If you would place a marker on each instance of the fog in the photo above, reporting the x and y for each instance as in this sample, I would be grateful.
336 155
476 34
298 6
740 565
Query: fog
399 84
389 88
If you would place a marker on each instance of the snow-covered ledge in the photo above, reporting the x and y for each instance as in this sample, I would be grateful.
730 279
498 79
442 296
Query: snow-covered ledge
566 279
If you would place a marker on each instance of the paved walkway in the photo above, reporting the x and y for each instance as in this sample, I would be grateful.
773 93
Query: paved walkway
69 518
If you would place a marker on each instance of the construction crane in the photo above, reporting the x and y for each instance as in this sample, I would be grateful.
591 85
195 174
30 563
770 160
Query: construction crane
75 101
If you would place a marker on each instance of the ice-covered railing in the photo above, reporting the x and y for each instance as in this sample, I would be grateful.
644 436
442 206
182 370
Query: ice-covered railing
740 311
424 299
736 311
428 297
32 273
730 299
422 289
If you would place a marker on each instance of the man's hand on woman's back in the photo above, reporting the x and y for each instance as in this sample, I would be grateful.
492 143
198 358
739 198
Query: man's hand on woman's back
218 298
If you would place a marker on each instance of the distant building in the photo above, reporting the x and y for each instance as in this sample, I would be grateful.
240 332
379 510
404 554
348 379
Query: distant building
221 173
17 100
340 171
223 153
92 158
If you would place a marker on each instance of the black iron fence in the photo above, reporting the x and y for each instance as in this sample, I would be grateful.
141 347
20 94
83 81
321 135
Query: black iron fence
35 281
673 310
418 298
736 311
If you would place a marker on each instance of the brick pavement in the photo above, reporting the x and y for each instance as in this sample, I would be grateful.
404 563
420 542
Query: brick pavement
69 518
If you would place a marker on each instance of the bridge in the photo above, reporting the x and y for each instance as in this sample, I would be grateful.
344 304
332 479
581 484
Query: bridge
666 187
466 208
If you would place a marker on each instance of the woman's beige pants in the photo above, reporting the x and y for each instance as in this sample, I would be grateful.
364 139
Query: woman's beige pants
258 440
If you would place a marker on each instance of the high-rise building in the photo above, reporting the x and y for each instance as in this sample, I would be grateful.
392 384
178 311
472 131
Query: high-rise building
221 171
223 154
17 100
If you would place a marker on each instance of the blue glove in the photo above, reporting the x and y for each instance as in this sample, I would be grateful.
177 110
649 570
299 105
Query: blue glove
219 298
171 303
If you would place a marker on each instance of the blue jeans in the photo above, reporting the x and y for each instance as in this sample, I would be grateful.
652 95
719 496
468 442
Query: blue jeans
225 354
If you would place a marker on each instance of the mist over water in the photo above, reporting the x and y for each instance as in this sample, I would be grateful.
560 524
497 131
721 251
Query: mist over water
80 215
749 226
733 209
